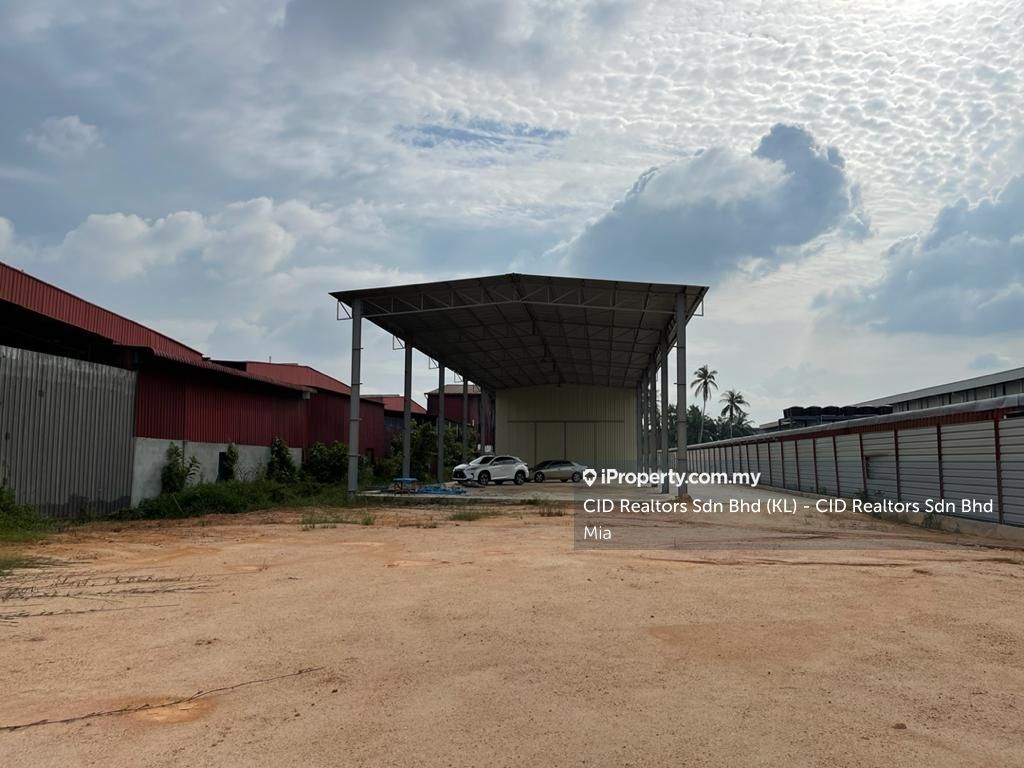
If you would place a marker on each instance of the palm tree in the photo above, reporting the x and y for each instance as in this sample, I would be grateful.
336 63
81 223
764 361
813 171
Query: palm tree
702 386
734 402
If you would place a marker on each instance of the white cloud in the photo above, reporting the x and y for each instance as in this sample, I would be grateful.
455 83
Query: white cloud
65 137
964 276
700 218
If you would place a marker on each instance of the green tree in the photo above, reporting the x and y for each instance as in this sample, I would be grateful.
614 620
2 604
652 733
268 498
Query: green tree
702 384
733 410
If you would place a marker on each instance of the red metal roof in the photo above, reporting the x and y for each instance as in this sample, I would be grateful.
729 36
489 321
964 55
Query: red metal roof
292 373
396 403
38 296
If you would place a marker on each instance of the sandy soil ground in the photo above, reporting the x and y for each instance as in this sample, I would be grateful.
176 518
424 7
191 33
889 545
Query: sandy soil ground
494 643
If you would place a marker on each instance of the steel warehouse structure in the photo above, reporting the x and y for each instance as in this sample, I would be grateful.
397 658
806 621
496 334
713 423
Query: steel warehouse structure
327 414
970 454
571 363
91 400
394 409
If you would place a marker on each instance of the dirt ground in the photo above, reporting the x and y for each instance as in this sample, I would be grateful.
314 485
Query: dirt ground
495 643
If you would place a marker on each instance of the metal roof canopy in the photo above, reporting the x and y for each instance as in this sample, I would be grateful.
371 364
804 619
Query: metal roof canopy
518 330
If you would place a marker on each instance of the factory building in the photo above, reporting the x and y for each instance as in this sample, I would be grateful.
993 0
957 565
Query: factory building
90 400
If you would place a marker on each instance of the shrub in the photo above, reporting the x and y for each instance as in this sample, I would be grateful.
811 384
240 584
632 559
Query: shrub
326 465
18 522
229 470
281 466
177 471
234 496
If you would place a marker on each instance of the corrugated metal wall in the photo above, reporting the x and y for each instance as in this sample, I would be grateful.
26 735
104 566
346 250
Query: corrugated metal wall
593 425
973 452
65 433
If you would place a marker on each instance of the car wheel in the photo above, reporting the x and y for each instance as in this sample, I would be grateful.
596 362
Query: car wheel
576 477
538 477
520 477
483 478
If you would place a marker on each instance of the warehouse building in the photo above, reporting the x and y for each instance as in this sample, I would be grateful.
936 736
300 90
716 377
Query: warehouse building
394 409
572 365
990 385
90 400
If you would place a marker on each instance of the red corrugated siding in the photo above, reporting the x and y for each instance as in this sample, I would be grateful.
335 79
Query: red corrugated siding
33 294
190 404
372 435
327 418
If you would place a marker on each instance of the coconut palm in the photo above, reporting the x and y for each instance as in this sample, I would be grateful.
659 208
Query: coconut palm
734 402
702 386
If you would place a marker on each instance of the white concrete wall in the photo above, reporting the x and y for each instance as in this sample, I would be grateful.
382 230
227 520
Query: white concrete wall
593 425
151 456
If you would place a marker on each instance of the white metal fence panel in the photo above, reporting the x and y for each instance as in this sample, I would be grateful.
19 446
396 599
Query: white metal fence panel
66 426
775 463
880 464
826 461
1011 445
806 465
919 464
851 475
968 467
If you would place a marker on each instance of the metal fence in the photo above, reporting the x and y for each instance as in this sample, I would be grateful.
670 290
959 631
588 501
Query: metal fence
970 455
65 433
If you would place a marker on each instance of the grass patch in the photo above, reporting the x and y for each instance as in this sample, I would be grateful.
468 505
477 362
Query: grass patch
9 563
551 509
320 519
368 518
236 496
19 522
469 515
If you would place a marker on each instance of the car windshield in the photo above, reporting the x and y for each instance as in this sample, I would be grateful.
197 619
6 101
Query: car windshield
481 460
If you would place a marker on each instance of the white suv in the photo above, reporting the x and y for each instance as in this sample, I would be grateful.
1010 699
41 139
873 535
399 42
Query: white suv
498 470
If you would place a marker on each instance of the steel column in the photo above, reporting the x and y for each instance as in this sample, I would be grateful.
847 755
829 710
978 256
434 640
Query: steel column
440 421
353 418
664 413
465 419
639 427
652 410
407 413
643 422
681 458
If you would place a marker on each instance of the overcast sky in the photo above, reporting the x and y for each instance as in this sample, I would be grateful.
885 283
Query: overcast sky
846 177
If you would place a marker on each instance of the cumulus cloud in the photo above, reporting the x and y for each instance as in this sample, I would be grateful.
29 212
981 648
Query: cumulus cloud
246 238
507 34
711 214
964 276
65 137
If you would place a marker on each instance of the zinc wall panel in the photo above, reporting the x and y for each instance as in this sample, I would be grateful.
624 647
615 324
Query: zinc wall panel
807 479
1011 440
65 433
880 456
610 412
826 466
788 449
775 456
851 478
968 465
919 464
